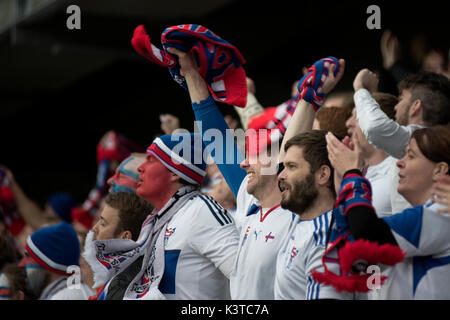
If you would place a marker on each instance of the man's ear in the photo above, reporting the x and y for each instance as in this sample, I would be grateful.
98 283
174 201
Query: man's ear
441 169
174 177
416 110
126 235
323 175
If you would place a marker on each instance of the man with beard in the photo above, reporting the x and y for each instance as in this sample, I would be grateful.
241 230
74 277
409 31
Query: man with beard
307 189
424 101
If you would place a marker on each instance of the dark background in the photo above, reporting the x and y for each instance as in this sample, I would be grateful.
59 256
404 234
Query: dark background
61 90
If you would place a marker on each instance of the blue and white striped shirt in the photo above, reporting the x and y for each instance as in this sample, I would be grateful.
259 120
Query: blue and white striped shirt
302 253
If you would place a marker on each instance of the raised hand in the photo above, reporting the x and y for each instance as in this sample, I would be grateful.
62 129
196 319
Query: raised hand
366 79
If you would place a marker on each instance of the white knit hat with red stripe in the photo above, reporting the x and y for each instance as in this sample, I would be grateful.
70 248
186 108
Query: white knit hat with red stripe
55 247
182 154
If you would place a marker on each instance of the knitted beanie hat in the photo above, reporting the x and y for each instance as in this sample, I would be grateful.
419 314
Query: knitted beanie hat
54 247
62 203
182 154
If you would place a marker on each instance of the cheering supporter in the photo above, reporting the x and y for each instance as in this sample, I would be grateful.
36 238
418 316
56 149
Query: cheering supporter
114 241
424 101
376 162
421 231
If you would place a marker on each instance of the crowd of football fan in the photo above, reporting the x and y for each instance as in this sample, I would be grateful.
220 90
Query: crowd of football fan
363 179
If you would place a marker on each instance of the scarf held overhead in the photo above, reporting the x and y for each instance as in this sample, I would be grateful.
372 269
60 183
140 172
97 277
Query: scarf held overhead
220 63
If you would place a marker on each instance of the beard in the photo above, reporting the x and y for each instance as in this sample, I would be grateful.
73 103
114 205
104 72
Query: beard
300 196
403 118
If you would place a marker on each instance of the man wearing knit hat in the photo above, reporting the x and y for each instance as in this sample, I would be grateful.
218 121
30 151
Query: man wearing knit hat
52 255
192 241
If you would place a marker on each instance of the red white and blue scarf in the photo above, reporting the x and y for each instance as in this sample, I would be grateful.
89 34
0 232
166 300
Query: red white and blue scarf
346 260
220 62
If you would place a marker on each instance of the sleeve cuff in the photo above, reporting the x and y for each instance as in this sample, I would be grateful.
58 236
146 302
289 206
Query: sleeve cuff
203 103
353 171
361 94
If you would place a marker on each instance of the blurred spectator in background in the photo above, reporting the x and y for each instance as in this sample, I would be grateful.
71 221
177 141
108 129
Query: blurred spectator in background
219 190
13 284
169 123
377 162
111 150
126 176
57 208
52 256
341 99
395 62
332 119
8 253
424 101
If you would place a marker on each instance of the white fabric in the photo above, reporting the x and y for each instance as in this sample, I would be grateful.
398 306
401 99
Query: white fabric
254 273
68 293
385 134
200 245
116 254
302 253
380 180
252 108
424 274
59 290
145 284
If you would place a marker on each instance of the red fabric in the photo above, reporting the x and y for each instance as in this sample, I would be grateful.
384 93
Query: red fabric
6 195
114 146
262 120
257 141
13 220
99 291
371 252
42 263
214 59
352 283
361 250
83 217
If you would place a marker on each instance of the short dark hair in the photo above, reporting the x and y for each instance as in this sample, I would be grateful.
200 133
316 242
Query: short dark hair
433 90
387 103
434 143
8 253
132 211
333 119
17 280
315 152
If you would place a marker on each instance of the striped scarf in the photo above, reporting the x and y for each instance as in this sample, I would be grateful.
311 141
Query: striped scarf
346 260
220 63
145 283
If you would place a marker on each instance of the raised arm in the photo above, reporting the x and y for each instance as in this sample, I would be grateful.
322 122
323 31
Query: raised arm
252 108
209 115
303 117
384 133
30 212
